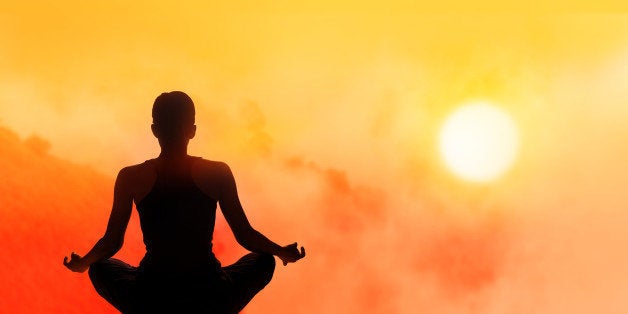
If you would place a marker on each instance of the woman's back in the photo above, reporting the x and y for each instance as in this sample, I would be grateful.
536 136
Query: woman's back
177 221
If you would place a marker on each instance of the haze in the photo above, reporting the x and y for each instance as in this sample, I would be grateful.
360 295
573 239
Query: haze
337 109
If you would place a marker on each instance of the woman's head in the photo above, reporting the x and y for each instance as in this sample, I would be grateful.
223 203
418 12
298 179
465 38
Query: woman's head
173 117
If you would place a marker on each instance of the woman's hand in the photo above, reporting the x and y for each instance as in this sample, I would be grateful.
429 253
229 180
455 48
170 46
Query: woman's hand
290 254
75 264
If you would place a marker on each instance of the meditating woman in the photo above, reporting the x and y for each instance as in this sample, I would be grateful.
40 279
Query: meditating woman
176 196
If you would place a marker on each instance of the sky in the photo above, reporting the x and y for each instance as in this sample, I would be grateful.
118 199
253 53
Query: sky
329 115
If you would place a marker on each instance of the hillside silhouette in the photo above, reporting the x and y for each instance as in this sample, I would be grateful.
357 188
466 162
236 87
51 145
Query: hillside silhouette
46 202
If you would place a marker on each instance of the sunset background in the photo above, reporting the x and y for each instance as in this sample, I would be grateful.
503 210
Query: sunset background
329 116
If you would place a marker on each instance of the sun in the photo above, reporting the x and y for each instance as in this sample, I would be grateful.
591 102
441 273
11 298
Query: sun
479 142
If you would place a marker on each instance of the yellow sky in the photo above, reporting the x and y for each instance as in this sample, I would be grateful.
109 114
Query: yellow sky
362 89
81 69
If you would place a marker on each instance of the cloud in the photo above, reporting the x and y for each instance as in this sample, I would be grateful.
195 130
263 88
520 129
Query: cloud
258 138
364 256
39 145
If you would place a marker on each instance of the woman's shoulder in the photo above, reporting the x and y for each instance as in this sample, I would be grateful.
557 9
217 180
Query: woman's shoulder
211 166
144 171
138 179
141 167
209 175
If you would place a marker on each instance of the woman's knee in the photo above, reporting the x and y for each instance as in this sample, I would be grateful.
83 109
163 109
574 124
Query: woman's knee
102 268
267 263
95 270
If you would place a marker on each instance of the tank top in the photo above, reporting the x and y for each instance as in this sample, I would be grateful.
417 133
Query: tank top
177 221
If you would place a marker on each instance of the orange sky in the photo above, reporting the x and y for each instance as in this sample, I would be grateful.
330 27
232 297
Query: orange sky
340 109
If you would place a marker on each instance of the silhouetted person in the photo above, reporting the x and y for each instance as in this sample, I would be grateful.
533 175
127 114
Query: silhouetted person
176 196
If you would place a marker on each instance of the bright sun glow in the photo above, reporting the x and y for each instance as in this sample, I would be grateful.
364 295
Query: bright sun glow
479 142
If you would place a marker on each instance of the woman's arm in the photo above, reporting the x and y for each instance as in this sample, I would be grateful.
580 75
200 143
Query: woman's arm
112 241
245 234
